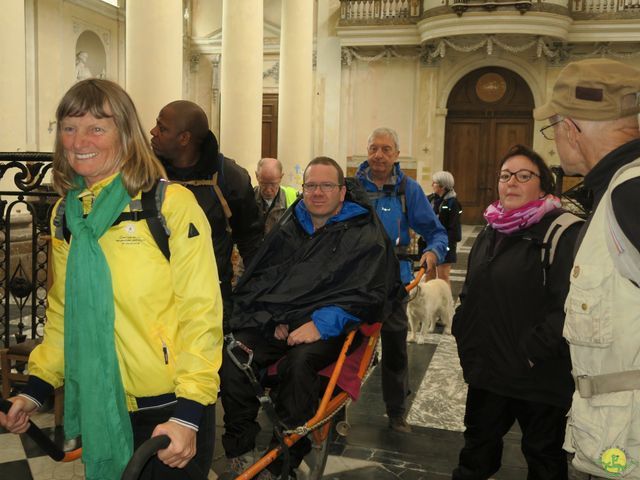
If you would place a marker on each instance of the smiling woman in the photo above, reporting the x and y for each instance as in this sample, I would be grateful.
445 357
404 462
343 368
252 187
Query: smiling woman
117 306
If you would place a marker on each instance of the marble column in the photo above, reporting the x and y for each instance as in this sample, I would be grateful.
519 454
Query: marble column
327 84
241 81
295 89
13 93
154 56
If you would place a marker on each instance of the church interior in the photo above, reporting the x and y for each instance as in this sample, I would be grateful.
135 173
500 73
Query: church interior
296 79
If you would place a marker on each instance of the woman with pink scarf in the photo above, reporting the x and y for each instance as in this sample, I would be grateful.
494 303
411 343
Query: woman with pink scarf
508 327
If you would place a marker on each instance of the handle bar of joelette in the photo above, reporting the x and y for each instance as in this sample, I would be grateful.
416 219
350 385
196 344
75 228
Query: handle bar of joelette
44 442
148 449
133 469
416 280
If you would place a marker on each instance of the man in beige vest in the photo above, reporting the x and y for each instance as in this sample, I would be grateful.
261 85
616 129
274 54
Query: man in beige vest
593 118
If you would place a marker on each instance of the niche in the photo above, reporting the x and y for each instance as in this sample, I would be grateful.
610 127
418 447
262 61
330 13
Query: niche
91 58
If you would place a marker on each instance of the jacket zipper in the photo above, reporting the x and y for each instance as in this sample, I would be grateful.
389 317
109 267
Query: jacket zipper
165 352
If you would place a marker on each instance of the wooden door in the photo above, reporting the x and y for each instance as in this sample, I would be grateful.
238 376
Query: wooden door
489 110
270 125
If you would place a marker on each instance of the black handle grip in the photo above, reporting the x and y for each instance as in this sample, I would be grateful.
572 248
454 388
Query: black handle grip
44 442
149 448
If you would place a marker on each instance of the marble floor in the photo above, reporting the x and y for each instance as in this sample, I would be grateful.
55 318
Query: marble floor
371 450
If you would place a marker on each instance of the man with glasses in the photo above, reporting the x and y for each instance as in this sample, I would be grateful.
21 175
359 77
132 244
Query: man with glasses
271 197
189 152
400 204
323 269
593 118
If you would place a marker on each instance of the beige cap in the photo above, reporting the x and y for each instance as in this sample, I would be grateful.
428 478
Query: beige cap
592 90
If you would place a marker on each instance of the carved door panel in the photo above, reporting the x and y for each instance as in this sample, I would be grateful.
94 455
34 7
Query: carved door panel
269 125
489 110
464 153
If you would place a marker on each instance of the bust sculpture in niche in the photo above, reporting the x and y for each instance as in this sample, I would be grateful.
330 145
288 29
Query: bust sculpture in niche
82 71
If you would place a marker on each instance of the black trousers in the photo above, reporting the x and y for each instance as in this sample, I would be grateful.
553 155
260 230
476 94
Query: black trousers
395 375
489 417
144 422
296 395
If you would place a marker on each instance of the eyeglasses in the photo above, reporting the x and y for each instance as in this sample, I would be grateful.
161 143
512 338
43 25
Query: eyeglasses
549 133
522 176
325 187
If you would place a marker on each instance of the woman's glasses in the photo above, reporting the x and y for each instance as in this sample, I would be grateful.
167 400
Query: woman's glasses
522 176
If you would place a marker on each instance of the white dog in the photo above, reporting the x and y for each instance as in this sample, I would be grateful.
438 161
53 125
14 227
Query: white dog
432 301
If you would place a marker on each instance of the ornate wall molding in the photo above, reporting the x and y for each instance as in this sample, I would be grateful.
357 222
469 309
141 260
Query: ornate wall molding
215 78
349 54
194 63
431 53
274 72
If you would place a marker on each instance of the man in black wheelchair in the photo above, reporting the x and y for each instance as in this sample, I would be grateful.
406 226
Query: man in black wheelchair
323 269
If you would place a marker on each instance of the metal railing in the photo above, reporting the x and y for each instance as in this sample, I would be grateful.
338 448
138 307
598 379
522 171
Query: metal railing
461 6
403 12
380 11
26 201
604 6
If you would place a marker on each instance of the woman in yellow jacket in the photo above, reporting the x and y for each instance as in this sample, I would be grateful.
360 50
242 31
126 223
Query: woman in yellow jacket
134 337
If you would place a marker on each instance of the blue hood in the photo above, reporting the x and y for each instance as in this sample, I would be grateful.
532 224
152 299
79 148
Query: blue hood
349 210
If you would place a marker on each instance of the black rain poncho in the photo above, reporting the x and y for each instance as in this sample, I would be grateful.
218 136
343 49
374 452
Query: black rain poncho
349 264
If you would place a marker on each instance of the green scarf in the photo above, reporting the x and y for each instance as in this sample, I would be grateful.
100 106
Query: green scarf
94 400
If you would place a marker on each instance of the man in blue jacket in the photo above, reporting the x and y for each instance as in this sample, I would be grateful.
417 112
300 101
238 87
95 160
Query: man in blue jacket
400 204
326 266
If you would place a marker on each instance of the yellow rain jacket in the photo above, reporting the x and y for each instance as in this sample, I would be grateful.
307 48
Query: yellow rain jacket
168 315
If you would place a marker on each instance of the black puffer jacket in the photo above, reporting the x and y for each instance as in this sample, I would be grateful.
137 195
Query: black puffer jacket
349 264
235 183
508 316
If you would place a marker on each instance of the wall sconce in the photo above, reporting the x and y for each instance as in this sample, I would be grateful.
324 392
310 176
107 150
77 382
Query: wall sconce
51 124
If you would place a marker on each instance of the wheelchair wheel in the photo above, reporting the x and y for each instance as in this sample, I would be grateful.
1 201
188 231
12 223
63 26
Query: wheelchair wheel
316 459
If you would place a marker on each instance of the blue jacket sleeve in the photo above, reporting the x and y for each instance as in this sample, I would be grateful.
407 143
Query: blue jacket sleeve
331 321
424 222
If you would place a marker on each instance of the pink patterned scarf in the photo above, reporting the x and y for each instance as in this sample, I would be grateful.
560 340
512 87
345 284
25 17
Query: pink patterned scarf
522 217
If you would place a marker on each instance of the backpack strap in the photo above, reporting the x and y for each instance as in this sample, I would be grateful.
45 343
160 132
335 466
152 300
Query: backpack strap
61 232
402 194
223 201
148 208
213 183
151 203
388 190
551 238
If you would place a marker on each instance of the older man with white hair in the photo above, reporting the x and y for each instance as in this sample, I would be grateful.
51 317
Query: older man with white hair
271 197
593 118
400 204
